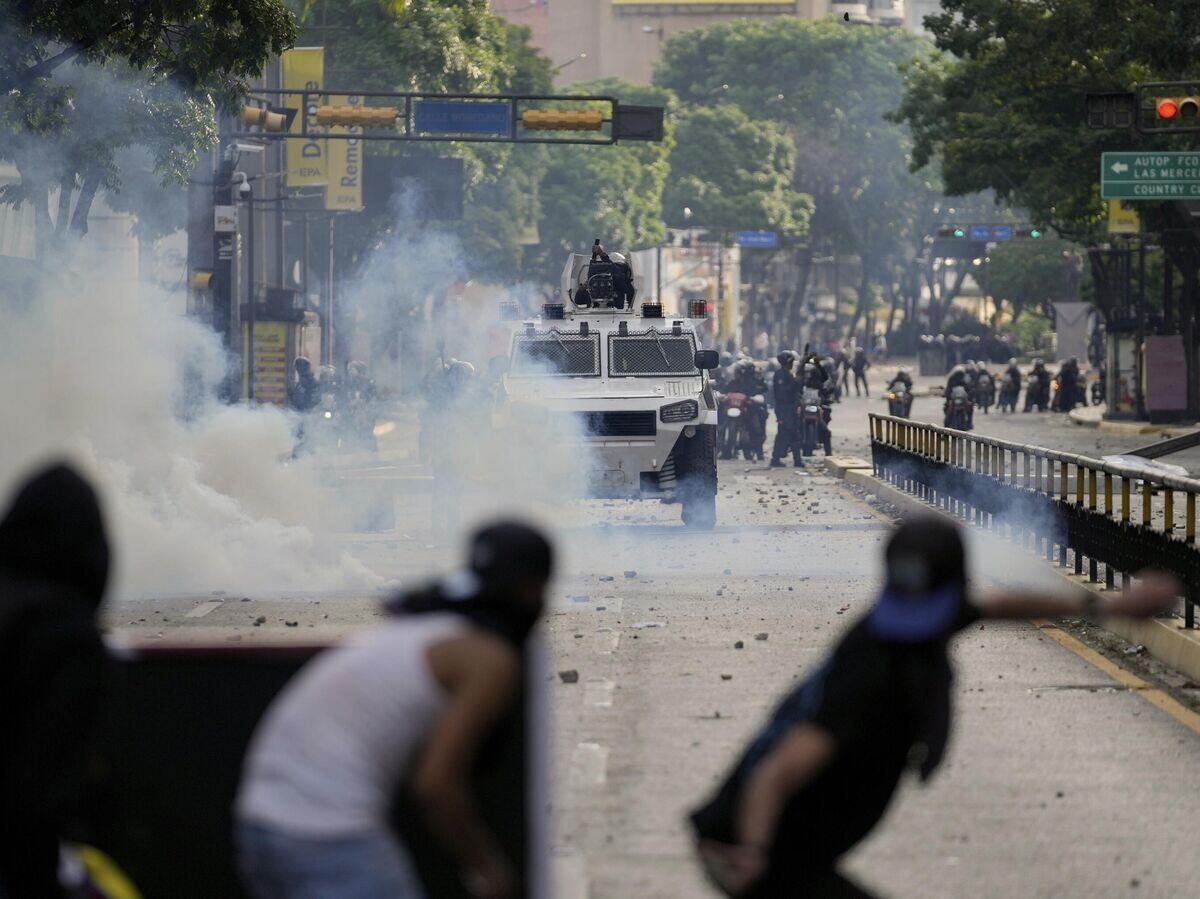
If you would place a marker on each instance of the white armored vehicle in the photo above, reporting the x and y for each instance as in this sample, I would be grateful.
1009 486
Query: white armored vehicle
626 383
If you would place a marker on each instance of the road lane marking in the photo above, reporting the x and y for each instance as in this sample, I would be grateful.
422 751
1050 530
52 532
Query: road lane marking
589 765
607 642
569 876
204 608
598 693
1156 696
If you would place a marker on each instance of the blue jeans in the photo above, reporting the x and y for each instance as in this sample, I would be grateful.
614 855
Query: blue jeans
278 865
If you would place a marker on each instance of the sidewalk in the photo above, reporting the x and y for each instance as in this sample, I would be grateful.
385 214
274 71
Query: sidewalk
1092 417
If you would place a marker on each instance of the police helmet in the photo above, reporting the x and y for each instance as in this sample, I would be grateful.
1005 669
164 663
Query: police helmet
1012 361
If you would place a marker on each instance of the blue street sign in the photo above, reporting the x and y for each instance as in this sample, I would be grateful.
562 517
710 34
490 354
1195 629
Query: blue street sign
460 117
759 240
981 232
1001 232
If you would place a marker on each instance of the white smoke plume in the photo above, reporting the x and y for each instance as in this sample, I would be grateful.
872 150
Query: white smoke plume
97 370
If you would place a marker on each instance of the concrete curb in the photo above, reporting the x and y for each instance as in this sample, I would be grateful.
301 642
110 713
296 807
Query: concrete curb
1164 640
840 466
1084 418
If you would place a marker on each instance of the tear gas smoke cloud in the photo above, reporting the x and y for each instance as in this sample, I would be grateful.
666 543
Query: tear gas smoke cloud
99 375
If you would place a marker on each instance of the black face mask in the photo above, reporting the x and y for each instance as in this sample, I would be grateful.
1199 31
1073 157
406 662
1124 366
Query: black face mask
487 606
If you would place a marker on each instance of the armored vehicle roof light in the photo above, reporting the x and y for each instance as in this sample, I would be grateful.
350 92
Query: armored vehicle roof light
677 328
529 329
622 328
583 328
553 310
697 309
652 310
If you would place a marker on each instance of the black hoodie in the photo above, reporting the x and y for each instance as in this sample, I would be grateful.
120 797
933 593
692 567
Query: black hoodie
54 562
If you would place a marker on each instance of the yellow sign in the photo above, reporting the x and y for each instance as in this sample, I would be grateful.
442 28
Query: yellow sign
304 70
270 361
1123 218
344 190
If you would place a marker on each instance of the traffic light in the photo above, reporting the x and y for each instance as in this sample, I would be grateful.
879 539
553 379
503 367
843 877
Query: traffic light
562 119
269 118
1171 109
952 232
357 116
1028 232
201 279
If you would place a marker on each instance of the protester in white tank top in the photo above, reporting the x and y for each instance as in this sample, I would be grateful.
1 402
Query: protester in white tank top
406 704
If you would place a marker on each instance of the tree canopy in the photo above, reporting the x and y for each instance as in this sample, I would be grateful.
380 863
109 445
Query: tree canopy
733 173
1002 108
611 192
82 81
831 88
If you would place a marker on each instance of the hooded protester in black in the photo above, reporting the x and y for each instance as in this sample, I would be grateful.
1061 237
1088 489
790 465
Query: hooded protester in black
884 696
54 562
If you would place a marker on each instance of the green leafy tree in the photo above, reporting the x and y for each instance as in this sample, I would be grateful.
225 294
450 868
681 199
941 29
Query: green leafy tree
830 87
733 173
1028 275
1002 108
611 192
81 81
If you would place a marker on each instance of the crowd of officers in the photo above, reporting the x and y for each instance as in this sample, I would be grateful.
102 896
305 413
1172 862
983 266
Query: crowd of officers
782 382
340 412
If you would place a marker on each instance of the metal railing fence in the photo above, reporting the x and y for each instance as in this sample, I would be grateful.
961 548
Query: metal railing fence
1049 501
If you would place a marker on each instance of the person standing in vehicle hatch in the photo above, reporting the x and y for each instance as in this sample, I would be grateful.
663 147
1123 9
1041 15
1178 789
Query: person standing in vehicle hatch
406 704
820 775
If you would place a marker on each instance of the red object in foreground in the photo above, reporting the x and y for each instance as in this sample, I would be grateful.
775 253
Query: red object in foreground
1167 109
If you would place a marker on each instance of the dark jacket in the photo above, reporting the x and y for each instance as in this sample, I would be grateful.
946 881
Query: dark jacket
784 386
54 563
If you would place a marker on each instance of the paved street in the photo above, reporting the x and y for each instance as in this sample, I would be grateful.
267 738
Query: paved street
1059 781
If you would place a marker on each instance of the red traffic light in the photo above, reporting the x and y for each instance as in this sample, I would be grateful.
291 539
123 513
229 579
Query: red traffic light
1167 108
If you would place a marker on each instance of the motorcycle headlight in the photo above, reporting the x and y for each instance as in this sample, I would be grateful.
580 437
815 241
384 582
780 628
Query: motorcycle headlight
677 412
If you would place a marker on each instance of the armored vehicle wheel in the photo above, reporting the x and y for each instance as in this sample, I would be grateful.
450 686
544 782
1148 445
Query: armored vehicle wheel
696 468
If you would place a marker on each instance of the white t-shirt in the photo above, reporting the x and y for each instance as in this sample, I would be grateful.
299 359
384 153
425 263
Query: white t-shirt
330 752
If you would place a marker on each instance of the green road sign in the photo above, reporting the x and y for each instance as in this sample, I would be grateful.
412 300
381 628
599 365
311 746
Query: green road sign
1150 176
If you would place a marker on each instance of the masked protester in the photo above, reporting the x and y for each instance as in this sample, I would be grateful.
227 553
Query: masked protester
407 704
53 569
819 776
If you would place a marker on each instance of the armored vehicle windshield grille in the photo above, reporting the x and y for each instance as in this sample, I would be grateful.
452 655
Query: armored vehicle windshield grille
556 353
651 353
617 424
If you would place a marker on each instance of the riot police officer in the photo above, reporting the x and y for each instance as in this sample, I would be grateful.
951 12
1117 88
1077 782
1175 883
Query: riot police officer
785 410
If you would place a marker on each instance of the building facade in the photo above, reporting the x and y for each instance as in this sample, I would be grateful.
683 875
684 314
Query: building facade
589 39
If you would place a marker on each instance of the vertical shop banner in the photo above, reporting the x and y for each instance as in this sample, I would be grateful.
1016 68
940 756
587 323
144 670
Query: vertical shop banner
270 361
307 160
344 190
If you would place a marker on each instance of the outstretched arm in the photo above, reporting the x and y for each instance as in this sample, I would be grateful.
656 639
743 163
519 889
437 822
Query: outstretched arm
1154 592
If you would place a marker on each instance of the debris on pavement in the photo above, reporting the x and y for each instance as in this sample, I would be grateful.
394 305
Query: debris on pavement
570 676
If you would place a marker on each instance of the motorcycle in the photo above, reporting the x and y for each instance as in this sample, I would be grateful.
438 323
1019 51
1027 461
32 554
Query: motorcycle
985 392
1035 392
958 409
1010 389
739 434
814 426
899 401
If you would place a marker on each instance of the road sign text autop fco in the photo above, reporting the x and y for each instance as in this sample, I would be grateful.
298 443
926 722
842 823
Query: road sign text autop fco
1150 176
